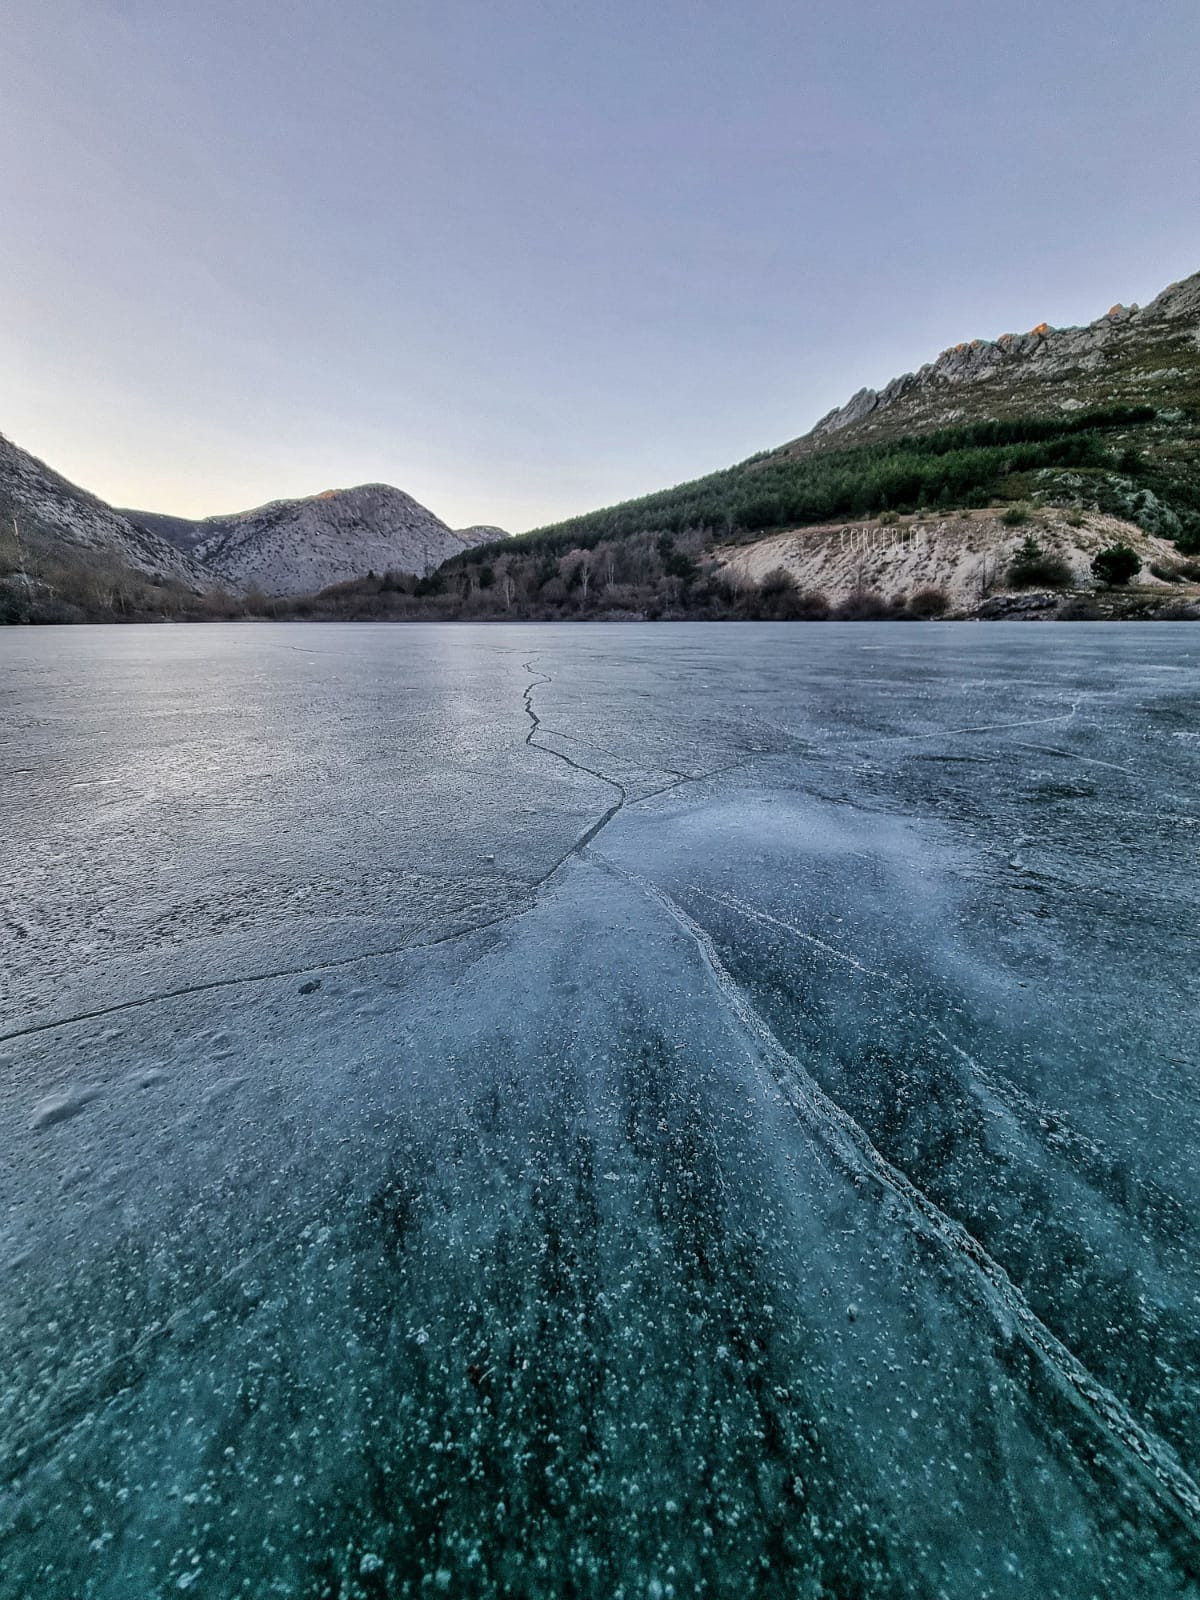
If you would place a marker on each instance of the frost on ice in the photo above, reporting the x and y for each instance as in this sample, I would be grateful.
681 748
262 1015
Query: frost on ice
639 1112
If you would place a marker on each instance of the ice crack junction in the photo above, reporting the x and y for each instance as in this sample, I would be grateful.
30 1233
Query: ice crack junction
535 723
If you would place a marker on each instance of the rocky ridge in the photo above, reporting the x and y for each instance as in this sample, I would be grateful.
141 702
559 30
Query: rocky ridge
1131 353
480 533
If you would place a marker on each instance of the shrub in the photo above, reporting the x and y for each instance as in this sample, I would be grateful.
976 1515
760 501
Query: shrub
777 582
1016 516
1080 609
807 605
864 605
1032 567
789 605
1116 565
1119 496
778 598
929 603
14 604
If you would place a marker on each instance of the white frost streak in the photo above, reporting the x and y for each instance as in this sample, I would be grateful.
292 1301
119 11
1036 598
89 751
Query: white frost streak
744 910
851 1145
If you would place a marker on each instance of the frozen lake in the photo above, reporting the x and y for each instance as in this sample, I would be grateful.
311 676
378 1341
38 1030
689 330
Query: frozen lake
600 1111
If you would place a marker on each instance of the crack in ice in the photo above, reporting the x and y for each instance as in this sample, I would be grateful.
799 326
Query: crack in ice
535 723
1073 755
1007 1097
264 977
851 1144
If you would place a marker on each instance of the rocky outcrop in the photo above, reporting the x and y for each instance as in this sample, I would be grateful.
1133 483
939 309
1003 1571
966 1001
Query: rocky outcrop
284 548
1013 607
1114 341
297 546
965 555
183 532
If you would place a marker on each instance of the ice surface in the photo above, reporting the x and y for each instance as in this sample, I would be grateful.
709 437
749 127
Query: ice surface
642 1111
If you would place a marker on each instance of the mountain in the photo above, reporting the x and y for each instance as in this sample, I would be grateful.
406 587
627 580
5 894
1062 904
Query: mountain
49 512
1001 465
480 533
1135 355
1073 438
67 556
1105 417
294 547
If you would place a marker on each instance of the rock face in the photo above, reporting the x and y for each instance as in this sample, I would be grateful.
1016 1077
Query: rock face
50 510
1130 353
300 546
964 554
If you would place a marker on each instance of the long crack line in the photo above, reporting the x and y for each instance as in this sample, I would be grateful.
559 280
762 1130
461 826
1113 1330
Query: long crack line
1011 1099
264 977
847 1140
212 984
589 834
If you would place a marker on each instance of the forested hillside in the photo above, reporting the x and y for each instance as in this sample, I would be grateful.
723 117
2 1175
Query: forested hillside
1121 459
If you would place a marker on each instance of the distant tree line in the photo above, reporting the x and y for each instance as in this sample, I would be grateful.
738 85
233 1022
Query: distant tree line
645 576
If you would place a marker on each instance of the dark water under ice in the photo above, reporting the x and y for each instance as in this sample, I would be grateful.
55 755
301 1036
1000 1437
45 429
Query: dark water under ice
599 1111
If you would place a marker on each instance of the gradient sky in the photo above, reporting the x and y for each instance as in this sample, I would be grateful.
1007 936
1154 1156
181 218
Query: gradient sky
524 259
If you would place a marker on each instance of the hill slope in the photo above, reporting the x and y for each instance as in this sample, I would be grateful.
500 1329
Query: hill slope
185 533
965 556
1105 417
299 546
1132 355
51 512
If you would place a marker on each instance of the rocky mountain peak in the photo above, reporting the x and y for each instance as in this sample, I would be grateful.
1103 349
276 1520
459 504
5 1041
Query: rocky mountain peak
1104 358
299 546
